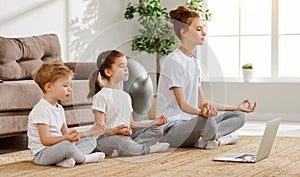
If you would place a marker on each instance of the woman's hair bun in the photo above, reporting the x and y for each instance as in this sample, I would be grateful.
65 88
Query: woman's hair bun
180 18
177 13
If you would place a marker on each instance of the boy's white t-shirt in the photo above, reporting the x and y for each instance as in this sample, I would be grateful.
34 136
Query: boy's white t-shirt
45 113
177 70
115 104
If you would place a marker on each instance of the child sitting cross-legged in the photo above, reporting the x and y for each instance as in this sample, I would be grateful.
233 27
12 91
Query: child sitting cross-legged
112 108
49 139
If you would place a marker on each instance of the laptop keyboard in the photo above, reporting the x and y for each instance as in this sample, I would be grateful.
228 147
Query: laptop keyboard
247 157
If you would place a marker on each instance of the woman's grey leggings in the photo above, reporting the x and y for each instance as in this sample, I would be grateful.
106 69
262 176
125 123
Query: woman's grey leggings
229 122
186 133
64 150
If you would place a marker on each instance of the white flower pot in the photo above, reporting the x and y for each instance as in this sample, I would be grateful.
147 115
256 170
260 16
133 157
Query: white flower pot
248 75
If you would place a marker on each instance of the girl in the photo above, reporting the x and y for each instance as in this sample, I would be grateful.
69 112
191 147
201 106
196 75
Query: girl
112 108
180 95
49 139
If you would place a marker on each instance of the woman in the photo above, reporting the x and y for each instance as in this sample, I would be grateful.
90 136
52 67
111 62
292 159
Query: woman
180 96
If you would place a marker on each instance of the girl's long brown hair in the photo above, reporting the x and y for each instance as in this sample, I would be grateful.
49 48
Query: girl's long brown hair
105 60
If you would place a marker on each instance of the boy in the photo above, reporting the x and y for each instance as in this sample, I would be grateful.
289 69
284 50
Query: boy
49 139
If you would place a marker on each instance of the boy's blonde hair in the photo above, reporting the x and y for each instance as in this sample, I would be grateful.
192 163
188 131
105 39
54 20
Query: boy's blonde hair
50 72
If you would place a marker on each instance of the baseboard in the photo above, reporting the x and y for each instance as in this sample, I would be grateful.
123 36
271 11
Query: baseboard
286 117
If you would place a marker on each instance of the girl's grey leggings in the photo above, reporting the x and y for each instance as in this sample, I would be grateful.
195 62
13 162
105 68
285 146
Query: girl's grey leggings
137 144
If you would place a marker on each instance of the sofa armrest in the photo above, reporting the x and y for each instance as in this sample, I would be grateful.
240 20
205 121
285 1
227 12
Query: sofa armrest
82 70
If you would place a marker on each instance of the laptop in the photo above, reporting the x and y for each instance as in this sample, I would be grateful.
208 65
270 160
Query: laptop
264 147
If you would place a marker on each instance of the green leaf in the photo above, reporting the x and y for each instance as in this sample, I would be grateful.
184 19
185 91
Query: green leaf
199 7
155 33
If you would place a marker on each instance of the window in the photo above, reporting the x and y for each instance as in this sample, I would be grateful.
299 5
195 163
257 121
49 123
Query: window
289 38
243 31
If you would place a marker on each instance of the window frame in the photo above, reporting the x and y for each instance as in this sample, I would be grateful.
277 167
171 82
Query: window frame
275 35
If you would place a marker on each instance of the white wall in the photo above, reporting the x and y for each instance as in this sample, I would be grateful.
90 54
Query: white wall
273 99
32 17
108 31
19 18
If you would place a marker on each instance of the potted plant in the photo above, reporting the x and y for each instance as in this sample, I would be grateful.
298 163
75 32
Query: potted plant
155 33
247 72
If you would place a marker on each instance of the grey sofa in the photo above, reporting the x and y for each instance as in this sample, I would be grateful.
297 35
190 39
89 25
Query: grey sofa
19 93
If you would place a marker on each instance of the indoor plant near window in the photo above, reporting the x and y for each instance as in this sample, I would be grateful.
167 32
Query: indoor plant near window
247 72
155 33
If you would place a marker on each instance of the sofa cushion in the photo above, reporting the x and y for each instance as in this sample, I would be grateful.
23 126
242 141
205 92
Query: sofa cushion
24 94
19 95
20 56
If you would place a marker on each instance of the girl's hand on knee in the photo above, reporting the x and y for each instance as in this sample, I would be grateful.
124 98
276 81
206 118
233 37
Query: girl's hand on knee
160 120
124 130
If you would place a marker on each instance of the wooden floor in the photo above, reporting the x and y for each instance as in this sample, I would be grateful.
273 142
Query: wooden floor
17 143
283 161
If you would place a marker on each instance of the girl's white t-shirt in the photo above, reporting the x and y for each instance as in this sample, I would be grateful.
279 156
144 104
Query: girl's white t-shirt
115 104
177 70
45 113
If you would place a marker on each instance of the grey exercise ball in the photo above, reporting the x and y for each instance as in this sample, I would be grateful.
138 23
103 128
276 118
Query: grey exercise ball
140 88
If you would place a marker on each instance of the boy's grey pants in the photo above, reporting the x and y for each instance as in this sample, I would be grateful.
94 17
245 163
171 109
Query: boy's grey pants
64 150
136 144
186 133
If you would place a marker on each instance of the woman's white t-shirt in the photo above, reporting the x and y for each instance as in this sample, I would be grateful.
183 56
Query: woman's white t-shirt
177 70
115 104
44 113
